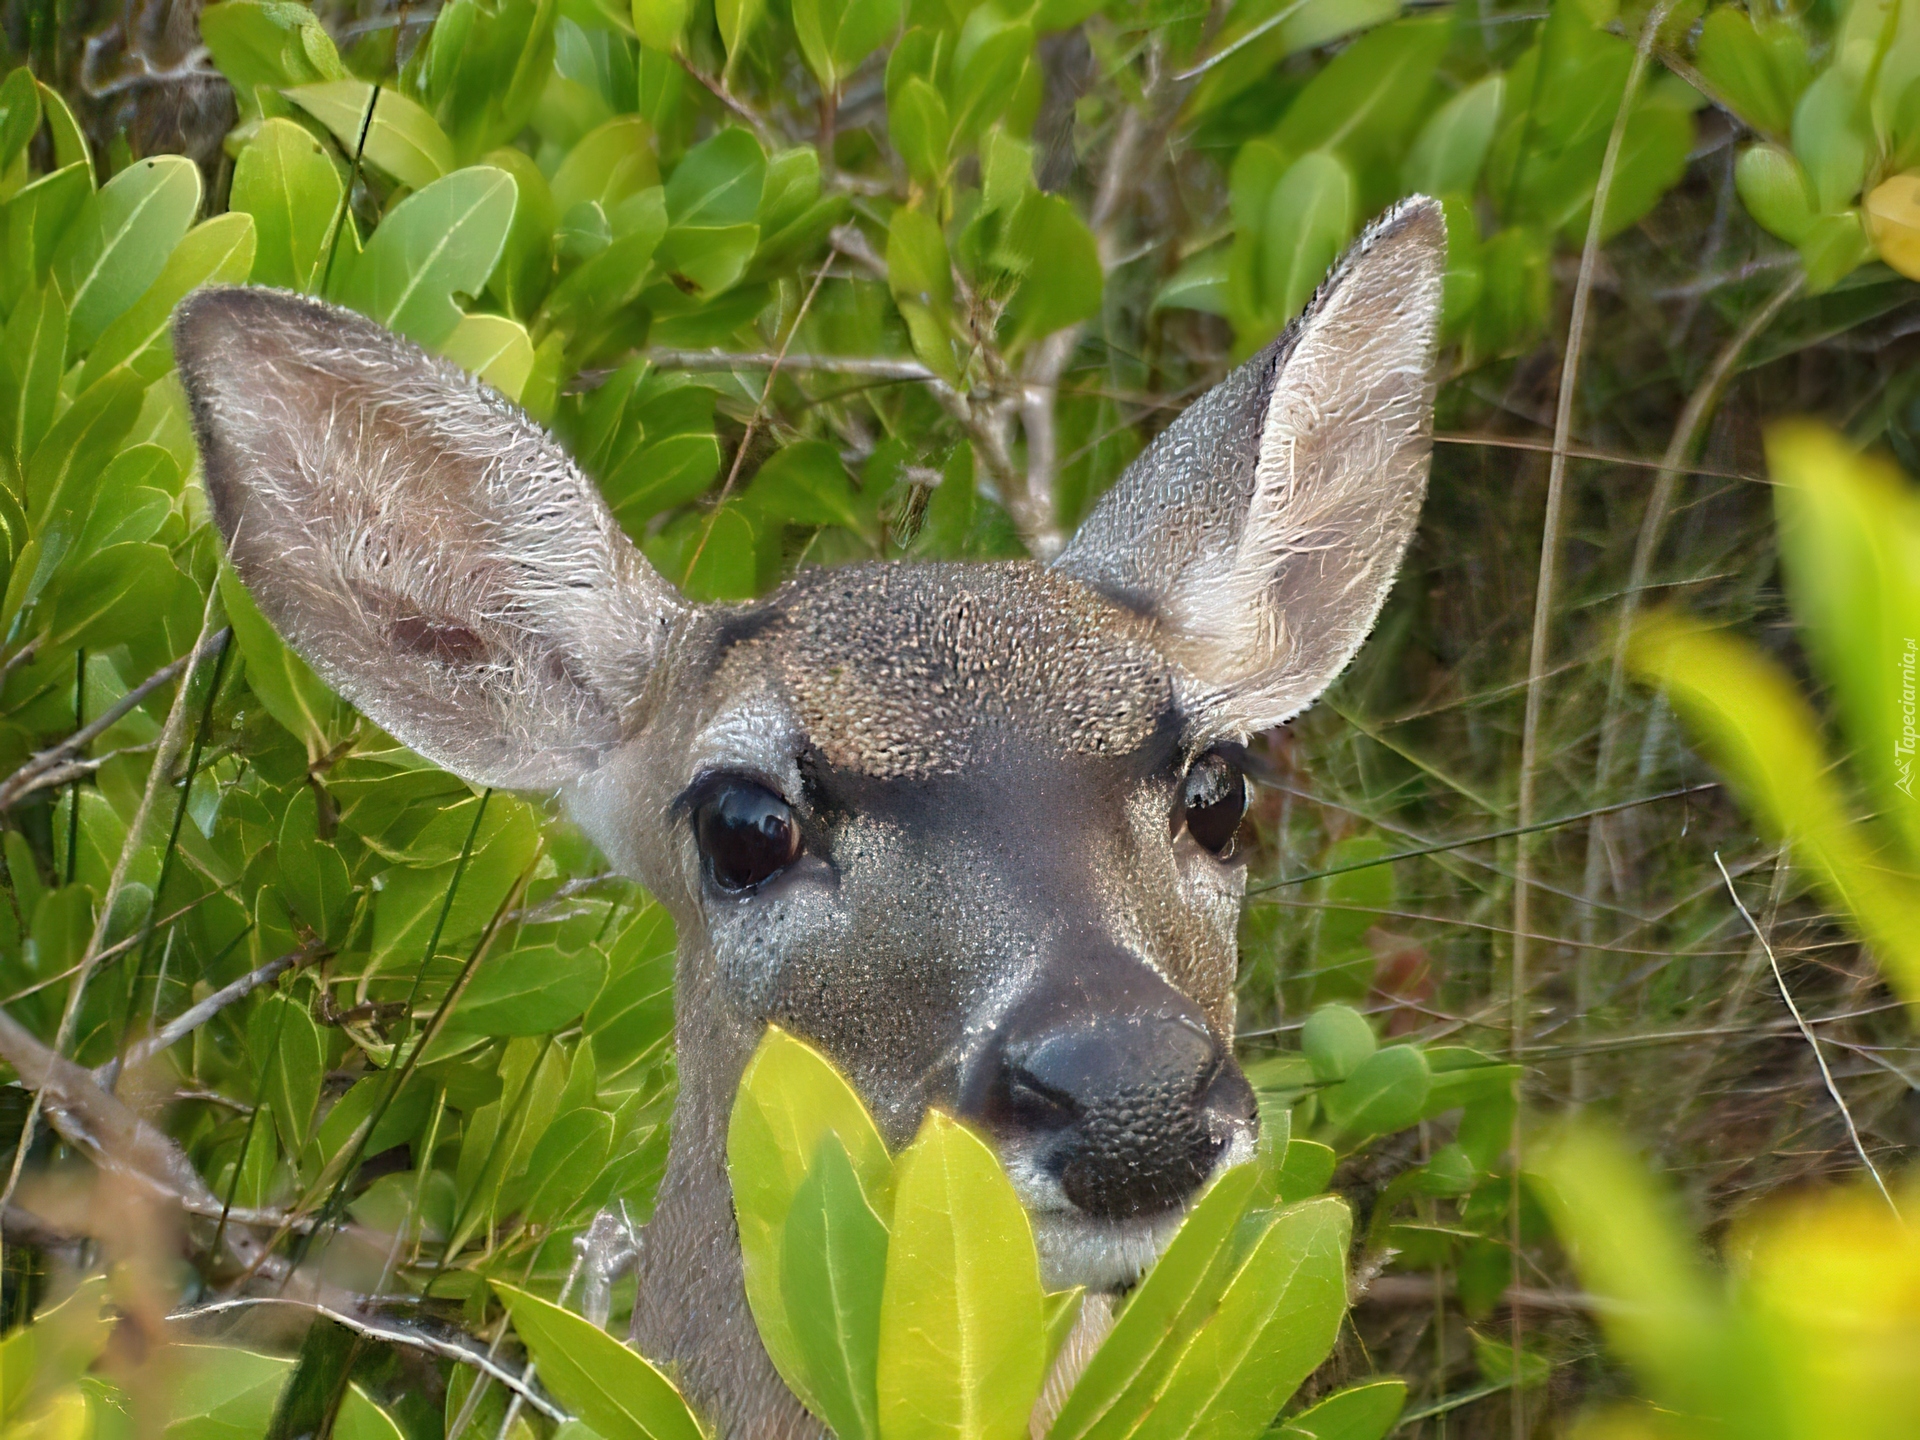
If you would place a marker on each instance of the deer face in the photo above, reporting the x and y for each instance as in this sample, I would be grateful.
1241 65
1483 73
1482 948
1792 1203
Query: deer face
967 828
971 832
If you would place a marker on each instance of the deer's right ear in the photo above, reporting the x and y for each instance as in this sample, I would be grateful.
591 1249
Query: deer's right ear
434 556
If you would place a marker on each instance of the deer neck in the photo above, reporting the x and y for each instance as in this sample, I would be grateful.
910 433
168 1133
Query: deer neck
690 1311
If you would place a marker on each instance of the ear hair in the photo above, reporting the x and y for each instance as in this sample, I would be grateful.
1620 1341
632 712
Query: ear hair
434 555
1267 523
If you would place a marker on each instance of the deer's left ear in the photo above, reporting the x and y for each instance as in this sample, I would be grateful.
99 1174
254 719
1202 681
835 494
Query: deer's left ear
1265 526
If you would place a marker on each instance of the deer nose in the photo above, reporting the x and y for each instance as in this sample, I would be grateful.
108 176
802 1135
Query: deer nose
1129 1106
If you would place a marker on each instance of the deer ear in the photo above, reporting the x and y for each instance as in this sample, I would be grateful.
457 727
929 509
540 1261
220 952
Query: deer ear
1264 527
418 539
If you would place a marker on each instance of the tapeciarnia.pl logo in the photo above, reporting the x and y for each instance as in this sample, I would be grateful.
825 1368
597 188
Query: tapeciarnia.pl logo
1904 746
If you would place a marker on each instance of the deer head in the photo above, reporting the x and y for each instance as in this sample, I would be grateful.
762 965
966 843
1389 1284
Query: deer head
968 829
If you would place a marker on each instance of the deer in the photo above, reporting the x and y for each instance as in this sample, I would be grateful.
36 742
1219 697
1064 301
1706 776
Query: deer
969 829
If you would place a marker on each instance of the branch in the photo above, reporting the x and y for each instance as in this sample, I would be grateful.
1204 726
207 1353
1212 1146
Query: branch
110 1134
192 1018
33 775
711 360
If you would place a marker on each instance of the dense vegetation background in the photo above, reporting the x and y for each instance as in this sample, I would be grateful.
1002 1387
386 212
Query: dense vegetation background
813 280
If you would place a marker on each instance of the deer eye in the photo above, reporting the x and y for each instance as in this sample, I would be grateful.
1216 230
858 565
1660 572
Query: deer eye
746 834
1213 797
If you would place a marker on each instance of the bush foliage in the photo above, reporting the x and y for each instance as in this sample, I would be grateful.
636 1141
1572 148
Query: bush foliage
809 282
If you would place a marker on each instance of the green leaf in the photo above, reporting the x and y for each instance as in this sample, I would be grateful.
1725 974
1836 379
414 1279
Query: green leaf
289 1059
267 43
806 484
438 242
403 141
1366 101
1740 68
1335 1040
1833 248
1386 1092
1063 278
525 272
611 279
1124 1379
713 201
77 448
1308 222
19 114
834 1266
738 19
109 598
836 35
38 219
922 133
285 180
69 140
1775 191
962 1344
1365 1412
565 1163
30 371
596 1377
131 499
120 241
216 252
660 23
1453 144
409 905
529 990
1274 1325
789 1099
1305 1170
1832 138
987 74
609 164
313 876
493 347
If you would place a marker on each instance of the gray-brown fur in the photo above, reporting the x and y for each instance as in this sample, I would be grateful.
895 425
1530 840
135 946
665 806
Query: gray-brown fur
984 763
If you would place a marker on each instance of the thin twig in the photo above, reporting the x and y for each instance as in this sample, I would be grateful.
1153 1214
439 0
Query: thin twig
191 1019
170 734
720 360
27 778
1813 1044
759 410
1542 637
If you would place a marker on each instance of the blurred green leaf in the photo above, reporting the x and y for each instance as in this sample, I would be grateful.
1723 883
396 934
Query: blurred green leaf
1452 147
1336 1040
836 35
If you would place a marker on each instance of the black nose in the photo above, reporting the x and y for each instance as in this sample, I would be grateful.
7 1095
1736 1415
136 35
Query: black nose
1116 1081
